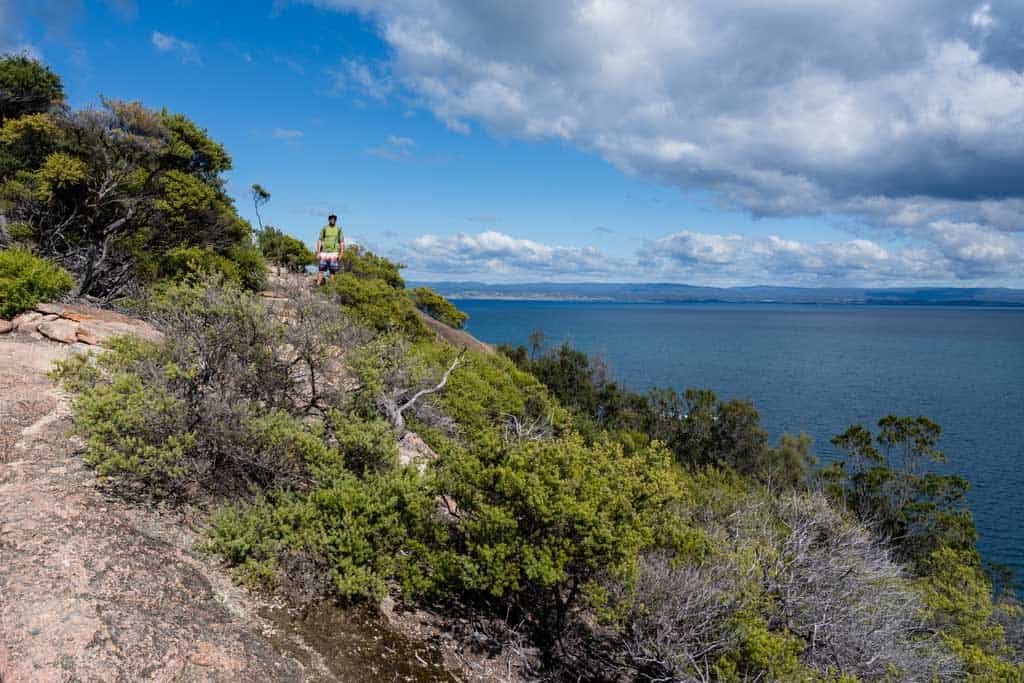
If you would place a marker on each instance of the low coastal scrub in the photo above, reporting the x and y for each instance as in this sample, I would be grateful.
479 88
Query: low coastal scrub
616 536
217 406
26 280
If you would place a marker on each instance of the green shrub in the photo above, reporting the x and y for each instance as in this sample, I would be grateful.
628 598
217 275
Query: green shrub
26 280
367 445
365 264
376 303
363 532
26 142
215 405
486 396
959 603
540 522
437 307
252 268
133 425
195 264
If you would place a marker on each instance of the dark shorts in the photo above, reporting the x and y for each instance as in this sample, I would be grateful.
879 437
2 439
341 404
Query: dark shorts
329 262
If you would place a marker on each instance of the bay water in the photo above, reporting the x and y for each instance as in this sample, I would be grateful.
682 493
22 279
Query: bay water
820 368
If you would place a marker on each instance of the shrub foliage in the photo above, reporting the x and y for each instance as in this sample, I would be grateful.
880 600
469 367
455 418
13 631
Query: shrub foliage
26 280
437 307
110 193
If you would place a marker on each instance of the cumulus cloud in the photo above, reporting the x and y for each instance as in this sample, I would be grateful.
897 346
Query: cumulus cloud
734 259
958 252
184 50
976 250
903 115
496 256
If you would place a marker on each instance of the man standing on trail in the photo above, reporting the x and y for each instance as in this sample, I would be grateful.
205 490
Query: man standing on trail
330 247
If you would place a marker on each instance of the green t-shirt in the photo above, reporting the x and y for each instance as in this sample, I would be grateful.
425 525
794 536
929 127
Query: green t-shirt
331 237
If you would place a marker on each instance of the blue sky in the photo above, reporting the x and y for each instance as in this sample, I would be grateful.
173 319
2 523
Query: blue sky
657 141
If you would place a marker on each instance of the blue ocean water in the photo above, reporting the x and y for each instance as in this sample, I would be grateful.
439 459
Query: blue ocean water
819 369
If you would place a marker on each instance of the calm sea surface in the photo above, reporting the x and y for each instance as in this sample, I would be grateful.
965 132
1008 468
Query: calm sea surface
819 369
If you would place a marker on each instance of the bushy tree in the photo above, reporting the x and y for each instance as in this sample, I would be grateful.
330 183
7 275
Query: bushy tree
885 480
284 251
437 307
27 87
108 192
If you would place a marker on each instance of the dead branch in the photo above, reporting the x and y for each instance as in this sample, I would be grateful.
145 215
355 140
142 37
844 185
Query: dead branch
395 412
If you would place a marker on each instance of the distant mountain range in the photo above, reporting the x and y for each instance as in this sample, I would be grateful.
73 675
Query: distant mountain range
666 292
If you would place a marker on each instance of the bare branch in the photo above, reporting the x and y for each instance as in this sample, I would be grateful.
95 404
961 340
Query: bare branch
440 385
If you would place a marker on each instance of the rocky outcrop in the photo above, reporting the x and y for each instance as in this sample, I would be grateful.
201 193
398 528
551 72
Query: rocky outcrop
76 324
90 588
63 331
413 451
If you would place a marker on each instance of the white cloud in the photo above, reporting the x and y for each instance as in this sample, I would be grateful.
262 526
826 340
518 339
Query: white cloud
497 256
981 18
707 258
399 141
898 114
695 247
360 78
947 252
976 249
287 134
184 50
732 259
396 148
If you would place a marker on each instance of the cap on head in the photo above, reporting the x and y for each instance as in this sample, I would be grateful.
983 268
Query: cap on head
332 216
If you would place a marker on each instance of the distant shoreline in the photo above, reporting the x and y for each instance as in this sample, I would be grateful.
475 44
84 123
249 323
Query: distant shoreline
674 302
595 300
658 293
